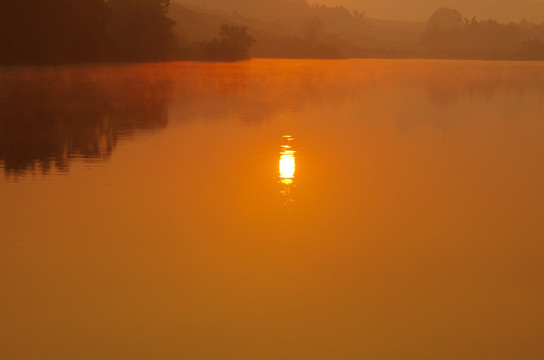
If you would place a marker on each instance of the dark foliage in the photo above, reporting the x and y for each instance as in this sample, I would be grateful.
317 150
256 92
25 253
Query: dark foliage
233 44
49 116
449 34
141 30
532 49
67 31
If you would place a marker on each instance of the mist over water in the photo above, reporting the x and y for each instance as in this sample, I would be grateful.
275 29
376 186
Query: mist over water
294 209
50 115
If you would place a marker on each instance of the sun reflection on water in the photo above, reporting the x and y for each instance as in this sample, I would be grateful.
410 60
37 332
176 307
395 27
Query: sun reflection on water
287 166
287 161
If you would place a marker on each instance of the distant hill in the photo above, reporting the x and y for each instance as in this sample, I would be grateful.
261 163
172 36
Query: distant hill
319 31
322 32
266 9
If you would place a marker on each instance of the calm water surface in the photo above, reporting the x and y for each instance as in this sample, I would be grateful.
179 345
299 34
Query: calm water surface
273 209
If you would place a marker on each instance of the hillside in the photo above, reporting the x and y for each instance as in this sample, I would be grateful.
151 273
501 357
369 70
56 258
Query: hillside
320 32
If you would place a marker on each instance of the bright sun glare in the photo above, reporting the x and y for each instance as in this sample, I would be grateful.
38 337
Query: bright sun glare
287 162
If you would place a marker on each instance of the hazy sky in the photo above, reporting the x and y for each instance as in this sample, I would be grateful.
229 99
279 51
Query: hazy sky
420 10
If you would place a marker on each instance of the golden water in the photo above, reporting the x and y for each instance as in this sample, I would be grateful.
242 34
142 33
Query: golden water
365 209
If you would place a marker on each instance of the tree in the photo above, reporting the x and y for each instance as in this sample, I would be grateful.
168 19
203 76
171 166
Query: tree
52 31
233 44
67 31
445 19
141 30
313 29
532 49
442 31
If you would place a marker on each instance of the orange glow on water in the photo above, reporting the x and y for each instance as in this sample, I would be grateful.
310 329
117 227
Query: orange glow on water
398 219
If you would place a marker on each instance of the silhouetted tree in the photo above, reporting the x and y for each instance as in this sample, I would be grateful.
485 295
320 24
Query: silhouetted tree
60 31
336 18
233 44
357 15
313 29
51 31
445 19
532 49
443 29
448 34
87 27
141 30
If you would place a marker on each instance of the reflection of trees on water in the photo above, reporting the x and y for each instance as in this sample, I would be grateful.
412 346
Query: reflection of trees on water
48 117
510 86
450 82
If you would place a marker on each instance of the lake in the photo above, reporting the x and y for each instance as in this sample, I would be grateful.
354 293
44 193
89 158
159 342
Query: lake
273 209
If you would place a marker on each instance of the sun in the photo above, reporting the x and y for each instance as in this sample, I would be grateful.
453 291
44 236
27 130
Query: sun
287 164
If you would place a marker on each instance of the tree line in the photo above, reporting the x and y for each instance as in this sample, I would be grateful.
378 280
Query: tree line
71 31
232 44
448 34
